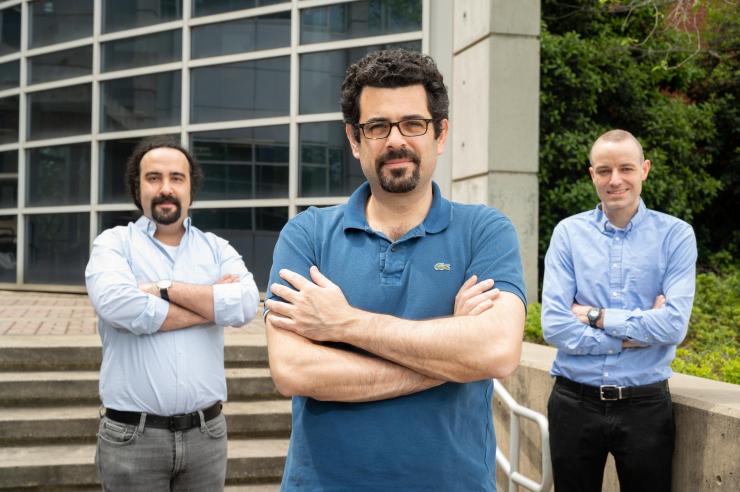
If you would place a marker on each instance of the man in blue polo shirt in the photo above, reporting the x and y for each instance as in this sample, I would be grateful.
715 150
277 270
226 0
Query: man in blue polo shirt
390 391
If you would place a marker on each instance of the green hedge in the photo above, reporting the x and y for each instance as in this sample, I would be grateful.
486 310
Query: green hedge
712 345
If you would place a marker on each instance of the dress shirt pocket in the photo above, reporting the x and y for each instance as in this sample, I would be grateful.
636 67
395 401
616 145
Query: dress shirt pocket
647 277
115 433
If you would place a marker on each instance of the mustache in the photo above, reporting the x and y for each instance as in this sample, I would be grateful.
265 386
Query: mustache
165 199
394 154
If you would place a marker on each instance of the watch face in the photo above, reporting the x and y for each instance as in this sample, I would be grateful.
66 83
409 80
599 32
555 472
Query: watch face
164 284
593 314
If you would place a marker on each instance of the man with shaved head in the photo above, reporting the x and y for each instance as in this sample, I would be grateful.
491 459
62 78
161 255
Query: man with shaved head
616 301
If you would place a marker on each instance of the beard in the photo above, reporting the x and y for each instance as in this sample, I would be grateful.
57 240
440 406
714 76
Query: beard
162 217
398 180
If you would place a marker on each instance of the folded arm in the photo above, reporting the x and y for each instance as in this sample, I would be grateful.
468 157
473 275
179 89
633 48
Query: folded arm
460 349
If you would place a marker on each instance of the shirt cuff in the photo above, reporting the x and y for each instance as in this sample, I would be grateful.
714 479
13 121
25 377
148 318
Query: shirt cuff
153 316
615 322
227 305
611 345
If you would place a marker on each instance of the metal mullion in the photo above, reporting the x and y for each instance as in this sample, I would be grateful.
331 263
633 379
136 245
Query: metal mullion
321 200
20 254
50 142
9 211
319 117
426 18
113 207
11 146
10 3
66 45
144 132
239 57
135 72
95 122
234 124
58 84
360 42
238 14
10 57
141 31
56 209
185 98
293 136
307 4
244 203
10 92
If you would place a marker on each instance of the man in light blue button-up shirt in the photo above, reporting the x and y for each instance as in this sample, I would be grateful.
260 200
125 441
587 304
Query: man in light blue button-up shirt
163 291
616 301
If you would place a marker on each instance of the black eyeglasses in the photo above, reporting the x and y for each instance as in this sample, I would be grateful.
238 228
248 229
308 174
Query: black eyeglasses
412 127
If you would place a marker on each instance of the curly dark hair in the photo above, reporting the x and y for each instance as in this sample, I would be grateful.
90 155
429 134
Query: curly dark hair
394 68
133 166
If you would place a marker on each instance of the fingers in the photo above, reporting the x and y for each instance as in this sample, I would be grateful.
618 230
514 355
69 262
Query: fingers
280 322
659 302
296 280
285 292
468 283
279 308
229 278
482 307
319 278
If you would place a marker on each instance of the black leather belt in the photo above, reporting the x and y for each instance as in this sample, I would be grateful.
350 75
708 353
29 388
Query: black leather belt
610 392
173 423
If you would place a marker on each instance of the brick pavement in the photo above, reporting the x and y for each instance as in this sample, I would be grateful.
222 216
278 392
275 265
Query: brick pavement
43 313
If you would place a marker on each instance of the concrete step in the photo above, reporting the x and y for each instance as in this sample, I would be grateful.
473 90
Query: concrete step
58 353
72 466
38 425
80 387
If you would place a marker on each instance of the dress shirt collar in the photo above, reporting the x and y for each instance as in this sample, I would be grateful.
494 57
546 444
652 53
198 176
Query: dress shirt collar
604 225
148 227
437 219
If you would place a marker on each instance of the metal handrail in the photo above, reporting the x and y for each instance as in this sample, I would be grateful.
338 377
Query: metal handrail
511 467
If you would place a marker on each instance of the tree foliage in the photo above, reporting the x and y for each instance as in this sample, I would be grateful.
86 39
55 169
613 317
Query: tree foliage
668 72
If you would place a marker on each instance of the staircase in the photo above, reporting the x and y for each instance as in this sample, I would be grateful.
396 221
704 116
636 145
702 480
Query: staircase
49 414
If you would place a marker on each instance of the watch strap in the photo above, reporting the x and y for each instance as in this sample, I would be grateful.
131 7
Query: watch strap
164 294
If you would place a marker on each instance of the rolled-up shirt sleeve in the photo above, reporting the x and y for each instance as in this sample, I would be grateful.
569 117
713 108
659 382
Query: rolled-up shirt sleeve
234 304
667 325
114 292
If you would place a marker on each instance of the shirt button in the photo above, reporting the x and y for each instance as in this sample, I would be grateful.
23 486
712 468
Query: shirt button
616 239
393 249
606 374
615 265
615 294
611 351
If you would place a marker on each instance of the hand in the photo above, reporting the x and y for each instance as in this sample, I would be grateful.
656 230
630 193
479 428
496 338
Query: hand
229 278
149 288
474 298
315 309
659 302
580 311
632 344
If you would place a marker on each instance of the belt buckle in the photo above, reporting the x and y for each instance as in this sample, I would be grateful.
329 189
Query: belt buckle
610 392
180 422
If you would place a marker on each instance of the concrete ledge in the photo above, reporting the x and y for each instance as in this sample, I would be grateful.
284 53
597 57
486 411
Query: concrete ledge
707 425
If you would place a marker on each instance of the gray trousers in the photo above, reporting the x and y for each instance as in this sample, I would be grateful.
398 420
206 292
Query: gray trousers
140 458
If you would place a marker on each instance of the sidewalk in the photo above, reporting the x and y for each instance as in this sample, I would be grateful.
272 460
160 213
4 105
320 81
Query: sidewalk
43 313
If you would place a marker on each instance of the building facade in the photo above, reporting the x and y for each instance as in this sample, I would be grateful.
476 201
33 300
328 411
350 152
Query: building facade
250 86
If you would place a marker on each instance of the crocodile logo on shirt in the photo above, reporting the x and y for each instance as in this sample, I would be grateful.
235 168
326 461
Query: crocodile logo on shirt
442 266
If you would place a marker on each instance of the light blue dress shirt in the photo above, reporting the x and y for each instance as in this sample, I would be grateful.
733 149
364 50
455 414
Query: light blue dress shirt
593 263
143 369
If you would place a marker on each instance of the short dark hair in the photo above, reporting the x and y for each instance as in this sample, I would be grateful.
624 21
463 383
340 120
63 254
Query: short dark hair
394 68
133 166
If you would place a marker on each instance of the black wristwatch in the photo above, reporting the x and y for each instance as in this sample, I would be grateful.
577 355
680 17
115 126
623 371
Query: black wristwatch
163 285
593 316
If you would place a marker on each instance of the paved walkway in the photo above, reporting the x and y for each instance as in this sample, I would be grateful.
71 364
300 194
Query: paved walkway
43 313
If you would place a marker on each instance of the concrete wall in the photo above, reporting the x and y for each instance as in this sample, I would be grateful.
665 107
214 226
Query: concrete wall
495 114
707 426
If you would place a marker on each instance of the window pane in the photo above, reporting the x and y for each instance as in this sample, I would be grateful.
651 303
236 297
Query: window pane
322 75
208 7
55 21
10 30
113 157
141 102
57 248
119 15
252 89
162 47
9 119
9 75
58 175
327 167
243 35
243 163
107 220
8 241
253 232
359 19
60 65
9 179
60 112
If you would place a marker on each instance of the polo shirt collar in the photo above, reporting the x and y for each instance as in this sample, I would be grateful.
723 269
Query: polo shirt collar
148 227
437 219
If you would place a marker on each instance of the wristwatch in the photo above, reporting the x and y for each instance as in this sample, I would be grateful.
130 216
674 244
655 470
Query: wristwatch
593 316
163 285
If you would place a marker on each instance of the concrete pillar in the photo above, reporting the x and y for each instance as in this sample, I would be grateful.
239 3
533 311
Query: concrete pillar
495 114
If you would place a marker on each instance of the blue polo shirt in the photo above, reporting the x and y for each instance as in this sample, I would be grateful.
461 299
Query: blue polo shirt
438 439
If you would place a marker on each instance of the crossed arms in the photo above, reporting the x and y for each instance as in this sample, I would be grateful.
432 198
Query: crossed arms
126 304
482 340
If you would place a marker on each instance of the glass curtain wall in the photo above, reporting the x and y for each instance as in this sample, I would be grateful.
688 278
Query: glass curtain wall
250 86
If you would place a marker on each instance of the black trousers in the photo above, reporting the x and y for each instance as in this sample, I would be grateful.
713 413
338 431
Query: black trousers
639 432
